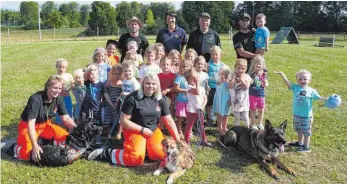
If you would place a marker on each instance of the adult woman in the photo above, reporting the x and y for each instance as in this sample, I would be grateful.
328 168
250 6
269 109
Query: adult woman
37 120
139 119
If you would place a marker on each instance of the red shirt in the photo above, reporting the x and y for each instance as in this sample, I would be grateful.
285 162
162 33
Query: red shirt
167 81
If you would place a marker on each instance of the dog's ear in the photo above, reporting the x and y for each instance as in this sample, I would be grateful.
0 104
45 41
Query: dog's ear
164 142
268 125
283 126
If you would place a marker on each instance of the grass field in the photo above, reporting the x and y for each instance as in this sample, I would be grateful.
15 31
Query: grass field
26 66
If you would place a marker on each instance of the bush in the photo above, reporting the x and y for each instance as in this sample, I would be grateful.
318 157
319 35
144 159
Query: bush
31 25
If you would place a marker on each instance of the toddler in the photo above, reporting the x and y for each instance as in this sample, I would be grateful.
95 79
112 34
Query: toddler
175 57
79 92
111 47
100 58
150 66
159 52
167 79
262 34
200 68
133 47
190 54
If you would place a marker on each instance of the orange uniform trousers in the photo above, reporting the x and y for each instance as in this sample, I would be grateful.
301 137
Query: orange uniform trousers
135 146
45 130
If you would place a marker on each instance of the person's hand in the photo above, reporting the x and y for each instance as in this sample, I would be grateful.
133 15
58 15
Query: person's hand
278 72
165 91
35 155
147 132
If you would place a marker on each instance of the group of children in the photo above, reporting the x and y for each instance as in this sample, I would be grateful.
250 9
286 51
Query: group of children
191 84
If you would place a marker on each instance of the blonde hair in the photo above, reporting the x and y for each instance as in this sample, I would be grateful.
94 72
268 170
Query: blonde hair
188 73
149 50
190 50
153 77
60 61
132 43
242 62
200 58
254 61
303 71
224 70
129 53
187 62
117 67
92 67
158 45
172 53
215 49
78 72
162 61
98 51
260 16
53 79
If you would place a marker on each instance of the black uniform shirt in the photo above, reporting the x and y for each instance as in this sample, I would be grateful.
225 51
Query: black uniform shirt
141 41
38 106
146 111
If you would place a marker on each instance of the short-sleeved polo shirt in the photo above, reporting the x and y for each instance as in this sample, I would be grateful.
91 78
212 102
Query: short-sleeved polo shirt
38 105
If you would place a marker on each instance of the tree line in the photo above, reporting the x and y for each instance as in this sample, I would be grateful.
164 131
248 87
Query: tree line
104 19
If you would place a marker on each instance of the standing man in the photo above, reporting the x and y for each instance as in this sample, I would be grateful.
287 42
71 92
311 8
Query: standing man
201 40
134 25
172 37
243 41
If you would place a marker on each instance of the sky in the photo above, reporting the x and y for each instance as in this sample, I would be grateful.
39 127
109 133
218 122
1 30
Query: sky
14 5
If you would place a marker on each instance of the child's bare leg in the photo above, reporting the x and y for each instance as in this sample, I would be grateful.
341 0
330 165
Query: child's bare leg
209 109
300 137
252 115
260 116
225 123
219 124
179 124
245 117
237 118
307 140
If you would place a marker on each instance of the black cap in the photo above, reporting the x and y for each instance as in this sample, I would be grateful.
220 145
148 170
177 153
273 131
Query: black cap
246 16
205 15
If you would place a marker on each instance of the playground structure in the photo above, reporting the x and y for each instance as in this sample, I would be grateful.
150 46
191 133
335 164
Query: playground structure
327 42
286 33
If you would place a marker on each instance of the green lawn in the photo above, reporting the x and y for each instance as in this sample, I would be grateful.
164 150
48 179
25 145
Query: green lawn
26 67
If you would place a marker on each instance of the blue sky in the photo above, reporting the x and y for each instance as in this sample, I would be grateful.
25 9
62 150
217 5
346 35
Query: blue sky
14 5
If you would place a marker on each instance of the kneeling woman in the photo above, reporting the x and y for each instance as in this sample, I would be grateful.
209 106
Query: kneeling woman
37 120
139 119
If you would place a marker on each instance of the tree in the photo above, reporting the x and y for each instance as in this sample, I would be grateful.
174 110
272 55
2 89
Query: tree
84 12
46 9
124 13
160 9
9 17
29 14
136 10
71 12
102 16
150 20
55 20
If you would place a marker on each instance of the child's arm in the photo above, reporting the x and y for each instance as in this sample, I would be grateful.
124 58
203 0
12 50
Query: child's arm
286 81
178 89
267 44
204 101
245 83
107 97
232 81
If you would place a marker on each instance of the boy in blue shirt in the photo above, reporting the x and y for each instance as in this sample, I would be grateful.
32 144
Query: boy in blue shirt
262 34
303 96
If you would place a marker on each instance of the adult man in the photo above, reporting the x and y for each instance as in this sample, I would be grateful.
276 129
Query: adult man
244 40
172 37
204 38
134 25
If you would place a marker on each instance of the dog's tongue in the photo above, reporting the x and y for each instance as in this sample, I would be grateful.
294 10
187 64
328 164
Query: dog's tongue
281 148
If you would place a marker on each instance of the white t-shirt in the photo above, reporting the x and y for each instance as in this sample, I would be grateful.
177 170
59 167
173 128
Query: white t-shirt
131 85
195 101
240 97
146 69
203 79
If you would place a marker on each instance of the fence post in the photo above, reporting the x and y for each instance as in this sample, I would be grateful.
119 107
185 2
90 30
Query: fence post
298 35
8 34
97 33
54 33
75 35
31 36
344 36
314 36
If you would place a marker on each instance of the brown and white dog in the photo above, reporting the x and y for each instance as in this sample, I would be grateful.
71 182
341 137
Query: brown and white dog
179 157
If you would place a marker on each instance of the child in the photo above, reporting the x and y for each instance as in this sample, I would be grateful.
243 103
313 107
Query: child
129 83
239 85
180 86
262 34
196 102
61 65
112 92
214 65
150 66
159 52
257 91
100 58
175 57
190 54
167 79
79 92
132 46
303 96
200 68
221 99
111 46
131 56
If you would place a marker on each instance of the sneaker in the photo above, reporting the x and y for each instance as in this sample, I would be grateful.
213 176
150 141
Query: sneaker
73 155
254 127
94 154
98 140
304 149
295 144
261 127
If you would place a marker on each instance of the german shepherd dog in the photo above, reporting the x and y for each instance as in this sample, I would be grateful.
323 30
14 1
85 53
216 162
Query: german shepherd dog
77 144
263 145
179 157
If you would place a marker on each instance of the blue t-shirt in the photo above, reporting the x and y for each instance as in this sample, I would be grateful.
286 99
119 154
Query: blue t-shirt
302 100
183 84
261 34
256 89
172 40
103 72
213 71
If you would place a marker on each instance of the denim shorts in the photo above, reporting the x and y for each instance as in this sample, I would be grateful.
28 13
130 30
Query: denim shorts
303 125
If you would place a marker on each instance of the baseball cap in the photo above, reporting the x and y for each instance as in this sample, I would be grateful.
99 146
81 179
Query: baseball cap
246 16
205 15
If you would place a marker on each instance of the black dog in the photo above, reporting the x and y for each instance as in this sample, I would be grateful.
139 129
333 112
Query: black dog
264 145
77 144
